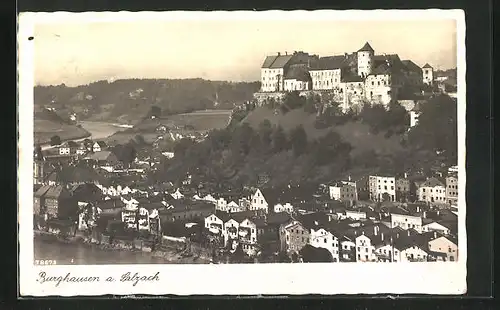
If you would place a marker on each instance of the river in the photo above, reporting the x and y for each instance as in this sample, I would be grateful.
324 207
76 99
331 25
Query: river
85 254
97 130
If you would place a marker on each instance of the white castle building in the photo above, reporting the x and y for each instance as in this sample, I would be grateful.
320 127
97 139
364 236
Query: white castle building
354 78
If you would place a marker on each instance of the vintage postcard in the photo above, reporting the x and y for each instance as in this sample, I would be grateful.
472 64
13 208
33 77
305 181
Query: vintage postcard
242 153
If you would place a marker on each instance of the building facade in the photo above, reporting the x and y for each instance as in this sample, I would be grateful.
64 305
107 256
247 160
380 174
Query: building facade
382 188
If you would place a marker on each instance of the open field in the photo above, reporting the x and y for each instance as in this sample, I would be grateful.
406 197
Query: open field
195 121
45 129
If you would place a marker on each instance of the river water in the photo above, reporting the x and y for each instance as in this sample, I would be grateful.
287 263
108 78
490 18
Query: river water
84 254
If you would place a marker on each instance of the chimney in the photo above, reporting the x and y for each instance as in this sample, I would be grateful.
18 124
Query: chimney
397 236
345 55
279 54
363 233
375 230
286 53
349 178
425 214
435 235
408 232
406 175
382 236
418 209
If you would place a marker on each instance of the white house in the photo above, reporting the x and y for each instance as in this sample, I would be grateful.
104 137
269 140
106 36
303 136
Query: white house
347 246
168 155
230 230
414 115
365 251
412 253
221 204
344 191
437 227
355 215
322 238
177 195
432 191
406 221
287 207
382 186
214 224
233 207
209 198
445 245
259 202
98 146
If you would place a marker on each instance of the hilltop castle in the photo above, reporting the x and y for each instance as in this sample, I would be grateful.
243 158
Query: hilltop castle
354 78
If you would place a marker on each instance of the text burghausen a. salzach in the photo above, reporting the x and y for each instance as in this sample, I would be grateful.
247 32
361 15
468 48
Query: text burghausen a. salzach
68 278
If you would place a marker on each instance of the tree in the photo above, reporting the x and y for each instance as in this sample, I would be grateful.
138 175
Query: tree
55 140
437 128
182 146
279 139
140 140
155 111
128 154
265 132
298 139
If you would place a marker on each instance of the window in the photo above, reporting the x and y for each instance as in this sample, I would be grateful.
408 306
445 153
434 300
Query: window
366 250
392 187
324 240
359 249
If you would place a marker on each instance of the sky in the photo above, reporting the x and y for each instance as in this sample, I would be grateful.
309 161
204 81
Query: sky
80 53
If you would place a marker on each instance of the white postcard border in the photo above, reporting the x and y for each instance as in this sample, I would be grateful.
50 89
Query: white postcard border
241 279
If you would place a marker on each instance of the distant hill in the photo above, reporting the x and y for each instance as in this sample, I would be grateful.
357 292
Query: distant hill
49 123
356 133
129 100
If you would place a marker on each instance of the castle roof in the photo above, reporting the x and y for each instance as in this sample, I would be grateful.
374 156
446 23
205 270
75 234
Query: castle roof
276 62
366 48
411 66
298 73
329 63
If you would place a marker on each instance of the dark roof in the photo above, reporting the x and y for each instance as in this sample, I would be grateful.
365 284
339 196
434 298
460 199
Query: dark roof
42 190
241 216
427 66
411 66
86 192
103 156
224 216
268 61
276 62
77 174
72 144
432 182
329 63
101 143
351 77
57 192
278 218
366 48
110 204
298 73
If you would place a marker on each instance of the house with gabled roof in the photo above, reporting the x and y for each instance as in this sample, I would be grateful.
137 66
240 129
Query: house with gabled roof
432 191
99 146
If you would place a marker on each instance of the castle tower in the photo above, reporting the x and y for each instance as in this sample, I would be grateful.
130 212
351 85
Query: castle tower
365 60
38 162
427 74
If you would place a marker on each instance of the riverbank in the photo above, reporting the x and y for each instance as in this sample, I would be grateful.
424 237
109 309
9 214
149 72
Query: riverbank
80 250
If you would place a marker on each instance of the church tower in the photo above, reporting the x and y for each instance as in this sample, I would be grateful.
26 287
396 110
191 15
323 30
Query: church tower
38 163
365 60
427 74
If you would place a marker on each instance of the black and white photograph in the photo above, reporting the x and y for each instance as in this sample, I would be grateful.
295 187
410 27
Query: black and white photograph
228 141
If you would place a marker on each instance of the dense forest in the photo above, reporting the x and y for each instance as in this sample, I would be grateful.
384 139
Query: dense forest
240 154
129 100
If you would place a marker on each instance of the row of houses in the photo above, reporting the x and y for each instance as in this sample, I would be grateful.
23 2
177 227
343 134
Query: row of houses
85 147
344 239
390 188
